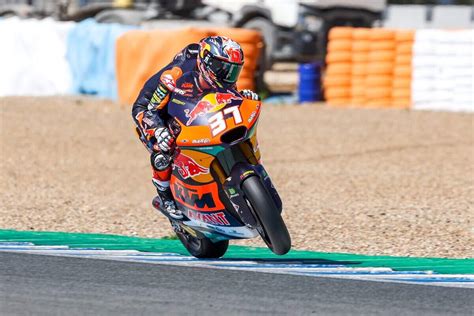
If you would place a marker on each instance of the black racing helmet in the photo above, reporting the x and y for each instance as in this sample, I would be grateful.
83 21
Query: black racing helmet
220 60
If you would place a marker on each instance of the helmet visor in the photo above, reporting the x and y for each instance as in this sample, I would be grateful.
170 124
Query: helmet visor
225 71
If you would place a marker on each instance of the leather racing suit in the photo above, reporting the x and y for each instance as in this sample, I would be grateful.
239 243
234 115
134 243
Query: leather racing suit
150 112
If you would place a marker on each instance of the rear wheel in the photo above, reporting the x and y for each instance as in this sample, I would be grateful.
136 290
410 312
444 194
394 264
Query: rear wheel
273 230
203 247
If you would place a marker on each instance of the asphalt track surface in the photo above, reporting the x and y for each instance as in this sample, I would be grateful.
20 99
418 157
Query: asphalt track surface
49 285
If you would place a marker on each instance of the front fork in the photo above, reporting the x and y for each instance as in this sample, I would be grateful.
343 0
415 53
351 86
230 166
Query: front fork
232 188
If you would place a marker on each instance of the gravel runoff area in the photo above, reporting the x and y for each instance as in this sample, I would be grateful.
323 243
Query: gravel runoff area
391 182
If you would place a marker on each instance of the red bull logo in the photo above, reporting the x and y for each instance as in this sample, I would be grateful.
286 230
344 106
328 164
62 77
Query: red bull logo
187 167
210 103
201 108
233 51
226 97
234 54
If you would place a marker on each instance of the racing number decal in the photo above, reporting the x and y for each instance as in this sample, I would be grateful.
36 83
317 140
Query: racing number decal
235 113
217 121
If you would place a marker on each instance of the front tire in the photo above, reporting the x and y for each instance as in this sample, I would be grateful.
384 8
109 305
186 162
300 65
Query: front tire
274 231
203 247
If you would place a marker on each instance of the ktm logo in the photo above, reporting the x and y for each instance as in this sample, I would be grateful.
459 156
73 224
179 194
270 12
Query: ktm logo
187 85
193 198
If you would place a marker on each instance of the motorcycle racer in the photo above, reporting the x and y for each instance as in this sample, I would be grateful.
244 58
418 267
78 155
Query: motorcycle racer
215 62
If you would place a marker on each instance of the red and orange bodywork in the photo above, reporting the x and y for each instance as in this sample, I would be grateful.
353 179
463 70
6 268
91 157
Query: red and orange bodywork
204 128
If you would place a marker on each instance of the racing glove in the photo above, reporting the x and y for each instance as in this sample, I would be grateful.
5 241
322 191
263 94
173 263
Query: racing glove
164 140
249 94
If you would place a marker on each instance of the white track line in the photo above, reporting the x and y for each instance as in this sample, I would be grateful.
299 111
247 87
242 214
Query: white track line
379 274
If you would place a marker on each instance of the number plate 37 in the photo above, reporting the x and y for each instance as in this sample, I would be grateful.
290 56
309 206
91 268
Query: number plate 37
217 121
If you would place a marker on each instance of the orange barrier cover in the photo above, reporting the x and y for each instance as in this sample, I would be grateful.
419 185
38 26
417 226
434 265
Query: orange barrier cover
140 54
369 67
401 86
337 79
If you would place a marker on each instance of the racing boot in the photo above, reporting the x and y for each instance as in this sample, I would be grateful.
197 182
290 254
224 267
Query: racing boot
164 201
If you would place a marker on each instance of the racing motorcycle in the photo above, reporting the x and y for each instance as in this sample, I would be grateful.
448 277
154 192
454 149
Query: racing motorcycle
218 181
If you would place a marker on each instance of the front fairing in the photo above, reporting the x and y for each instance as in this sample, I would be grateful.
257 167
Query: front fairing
217 118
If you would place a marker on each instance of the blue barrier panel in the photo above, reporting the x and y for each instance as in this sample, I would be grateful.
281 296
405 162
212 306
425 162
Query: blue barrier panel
91 56
309 88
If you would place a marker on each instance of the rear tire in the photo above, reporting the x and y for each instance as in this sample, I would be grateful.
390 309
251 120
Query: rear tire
203 247
274 231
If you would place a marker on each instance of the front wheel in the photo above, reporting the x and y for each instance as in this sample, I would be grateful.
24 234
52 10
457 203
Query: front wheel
273 229
203 247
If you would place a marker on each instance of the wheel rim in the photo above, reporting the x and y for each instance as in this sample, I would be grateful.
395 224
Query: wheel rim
194 243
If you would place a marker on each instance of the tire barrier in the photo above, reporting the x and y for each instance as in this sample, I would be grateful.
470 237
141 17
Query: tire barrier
91 56
33 57
135 64
360 59
371 56
47 57
380 67
337 82
140 54
402 73
443 70
423 69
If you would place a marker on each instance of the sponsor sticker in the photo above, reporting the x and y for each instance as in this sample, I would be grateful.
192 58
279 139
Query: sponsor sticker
201 141
174 100
252 116
210 218
246 173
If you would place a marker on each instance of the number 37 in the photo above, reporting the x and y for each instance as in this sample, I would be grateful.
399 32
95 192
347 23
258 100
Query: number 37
217 121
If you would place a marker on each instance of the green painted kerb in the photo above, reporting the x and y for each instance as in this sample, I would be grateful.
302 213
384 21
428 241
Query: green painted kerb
117 242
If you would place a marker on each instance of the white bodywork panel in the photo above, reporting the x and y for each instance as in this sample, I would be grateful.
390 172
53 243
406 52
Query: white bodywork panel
285 12
234 231
371 5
